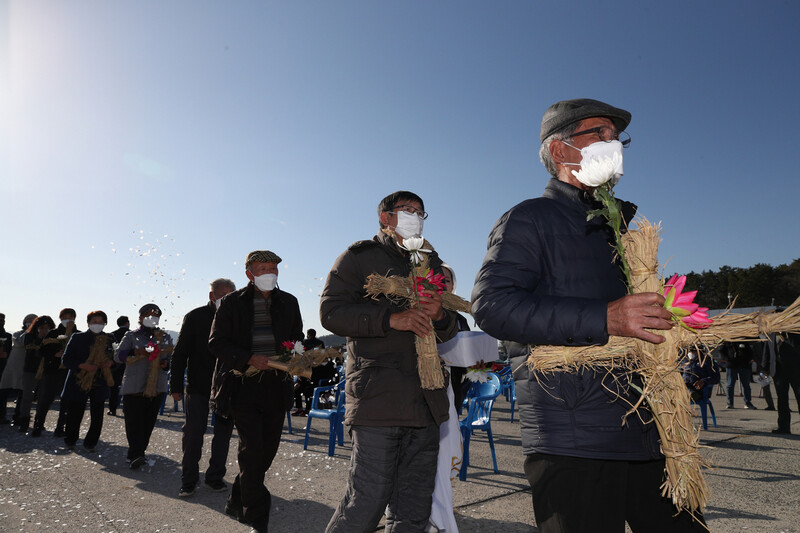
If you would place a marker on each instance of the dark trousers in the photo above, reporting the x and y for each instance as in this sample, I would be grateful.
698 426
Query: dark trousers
745 375
5 394
304 388
75 410
193 431
140 418
394 466
50 386
788 377
574 495
260 429
113 399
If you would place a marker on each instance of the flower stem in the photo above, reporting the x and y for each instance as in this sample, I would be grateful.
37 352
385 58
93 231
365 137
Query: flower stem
613 216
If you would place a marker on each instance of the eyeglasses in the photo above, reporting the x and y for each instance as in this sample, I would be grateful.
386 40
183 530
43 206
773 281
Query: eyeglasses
607 134
410 209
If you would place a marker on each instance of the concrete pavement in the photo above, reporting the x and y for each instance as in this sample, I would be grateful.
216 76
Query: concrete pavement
44 487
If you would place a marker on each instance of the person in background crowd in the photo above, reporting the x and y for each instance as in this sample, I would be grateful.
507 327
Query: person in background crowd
321 374
393 421
739 357
6 343
457 373
11 380
311 341
52 372
782 362
251 326
32 340
118 370
698 372
550 278
145 353
193 356
87 356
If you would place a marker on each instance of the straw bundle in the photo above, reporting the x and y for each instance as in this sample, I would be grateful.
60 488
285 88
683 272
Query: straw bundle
98 356
429 365
151 388
301 364
664 391
401 290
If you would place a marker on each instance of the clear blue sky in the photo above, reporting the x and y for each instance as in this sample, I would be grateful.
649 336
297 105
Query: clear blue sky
147 147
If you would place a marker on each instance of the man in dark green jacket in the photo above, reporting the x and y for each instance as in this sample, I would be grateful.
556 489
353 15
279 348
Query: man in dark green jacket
393 421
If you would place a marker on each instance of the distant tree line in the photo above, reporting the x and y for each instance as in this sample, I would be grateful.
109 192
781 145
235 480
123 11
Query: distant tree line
755 286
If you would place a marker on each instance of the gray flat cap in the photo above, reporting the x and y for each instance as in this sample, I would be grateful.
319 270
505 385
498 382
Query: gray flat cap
566 112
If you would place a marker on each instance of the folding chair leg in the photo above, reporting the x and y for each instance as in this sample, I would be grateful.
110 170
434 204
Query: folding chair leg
465 437
308 428
491 446
332 437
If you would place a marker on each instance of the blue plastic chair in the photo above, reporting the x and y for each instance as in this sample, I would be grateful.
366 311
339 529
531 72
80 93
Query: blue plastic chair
335 416
508 388
479 416
706 405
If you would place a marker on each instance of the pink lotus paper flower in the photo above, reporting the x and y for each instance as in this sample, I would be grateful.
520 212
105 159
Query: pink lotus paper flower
681 304
431 282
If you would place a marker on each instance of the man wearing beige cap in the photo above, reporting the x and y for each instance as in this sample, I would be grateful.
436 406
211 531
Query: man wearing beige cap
550 278
249 327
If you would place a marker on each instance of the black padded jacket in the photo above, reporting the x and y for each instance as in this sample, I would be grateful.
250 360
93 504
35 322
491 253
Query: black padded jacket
547 278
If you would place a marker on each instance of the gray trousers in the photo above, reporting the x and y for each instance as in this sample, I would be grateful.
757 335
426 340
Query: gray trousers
193 431
390 466
29 384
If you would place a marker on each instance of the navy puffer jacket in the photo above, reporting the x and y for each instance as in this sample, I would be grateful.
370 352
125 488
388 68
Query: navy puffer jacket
547 278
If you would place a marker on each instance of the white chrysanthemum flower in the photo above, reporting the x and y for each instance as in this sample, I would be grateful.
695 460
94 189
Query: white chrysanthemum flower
477 375
414 246
299 349
598 171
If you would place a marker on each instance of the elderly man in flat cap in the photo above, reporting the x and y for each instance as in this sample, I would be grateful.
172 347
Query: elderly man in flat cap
249 327
140 351
550 277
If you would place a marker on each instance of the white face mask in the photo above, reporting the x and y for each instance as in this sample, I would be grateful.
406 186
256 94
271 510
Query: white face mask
408 224
600 162
66 322
150 321
266 282
96 328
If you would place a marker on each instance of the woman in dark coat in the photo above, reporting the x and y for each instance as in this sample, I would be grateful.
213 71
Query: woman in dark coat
32 340
52 373
88 358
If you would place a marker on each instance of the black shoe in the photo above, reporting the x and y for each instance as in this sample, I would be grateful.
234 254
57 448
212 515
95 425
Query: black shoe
234 511
112 413
749 405
729 406
217 485
137 463
69 445
259 527
89 449
780 431
187 490
59 432
769 408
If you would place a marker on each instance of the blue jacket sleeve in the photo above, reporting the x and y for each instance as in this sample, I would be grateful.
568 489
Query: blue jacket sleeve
507 301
